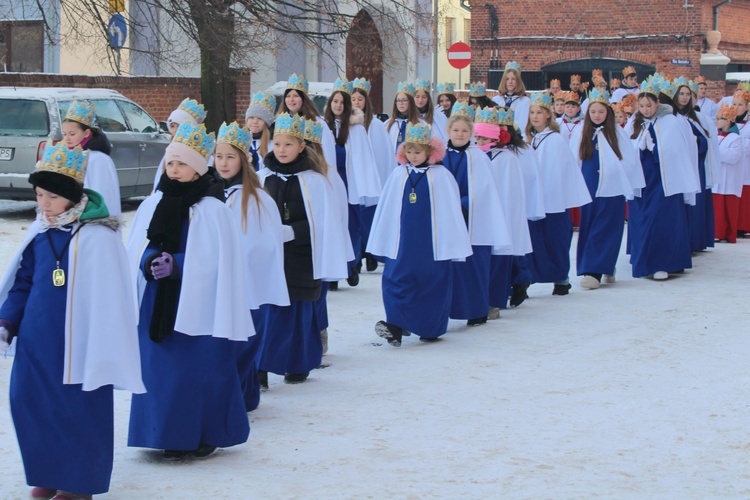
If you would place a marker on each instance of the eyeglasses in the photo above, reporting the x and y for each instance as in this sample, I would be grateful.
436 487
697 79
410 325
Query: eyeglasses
402 101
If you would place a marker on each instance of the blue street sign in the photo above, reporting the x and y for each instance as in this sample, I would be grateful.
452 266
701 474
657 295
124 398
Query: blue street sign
117 30
680 62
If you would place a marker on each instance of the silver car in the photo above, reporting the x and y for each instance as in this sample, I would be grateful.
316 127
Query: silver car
29 115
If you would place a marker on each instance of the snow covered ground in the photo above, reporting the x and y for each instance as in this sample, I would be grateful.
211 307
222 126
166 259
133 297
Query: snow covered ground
640 389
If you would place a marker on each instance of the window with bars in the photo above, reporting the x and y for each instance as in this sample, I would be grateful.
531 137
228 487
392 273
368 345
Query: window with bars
22 46
467 31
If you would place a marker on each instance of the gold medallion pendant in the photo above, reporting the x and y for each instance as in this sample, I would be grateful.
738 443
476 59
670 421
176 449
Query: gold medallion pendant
58 277
412 197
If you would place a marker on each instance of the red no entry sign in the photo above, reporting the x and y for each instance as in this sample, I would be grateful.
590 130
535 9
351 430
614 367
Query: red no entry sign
459 55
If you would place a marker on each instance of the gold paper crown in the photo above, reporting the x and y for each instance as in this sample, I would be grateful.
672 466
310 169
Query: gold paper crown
196 138
61 160
554 82
82 112
742 94
560 95
727 112
287 124
575 78
571 97
595 73
627 71
235 135
615 82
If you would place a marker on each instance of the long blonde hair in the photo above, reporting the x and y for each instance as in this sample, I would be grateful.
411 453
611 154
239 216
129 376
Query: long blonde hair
250 185
520 87
551 123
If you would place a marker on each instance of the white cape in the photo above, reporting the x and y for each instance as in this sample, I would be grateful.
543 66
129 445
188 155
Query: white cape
101 176
745 134
212 294
616 177
729 174
509 184
487 223
101 337
382 149
712 155
329 237
562 180
262 248
450 239
532 183
362 174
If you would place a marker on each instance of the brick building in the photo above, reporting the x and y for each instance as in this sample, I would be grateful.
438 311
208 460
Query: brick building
555 39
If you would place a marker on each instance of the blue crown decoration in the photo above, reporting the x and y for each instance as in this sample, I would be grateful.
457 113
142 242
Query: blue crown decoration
287 124
477 89
298 83
666 87
693 87
82 112
678 82
235 135
598 95
406 88
461 108
196 138
445 88
486 115
418 133
422 84
263 106
194 109
650 86
344 86
362 84
61 160
513 65
505 116
313 131
542 99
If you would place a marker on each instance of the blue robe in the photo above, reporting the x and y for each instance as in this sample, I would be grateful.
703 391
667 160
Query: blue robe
250 357
550 239
501 277
355 223
416 287
195 394
293 343
471 278
701 215
657 225
602 224
65 435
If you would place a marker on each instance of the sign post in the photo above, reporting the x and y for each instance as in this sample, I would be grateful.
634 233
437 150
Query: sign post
117 31
459 56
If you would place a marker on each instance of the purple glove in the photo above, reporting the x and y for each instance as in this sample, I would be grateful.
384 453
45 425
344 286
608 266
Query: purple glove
162 267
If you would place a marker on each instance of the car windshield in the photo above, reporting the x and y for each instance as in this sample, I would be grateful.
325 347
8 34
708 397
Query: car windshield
24 117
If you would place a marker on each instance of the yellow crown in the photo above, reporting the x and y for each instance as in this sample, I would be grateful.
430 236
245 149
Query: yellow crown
287 124
727 112
61 160
235 135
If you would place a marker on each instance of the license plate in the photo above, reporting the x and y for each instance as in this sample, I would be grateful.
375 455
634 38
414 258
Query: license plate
6 154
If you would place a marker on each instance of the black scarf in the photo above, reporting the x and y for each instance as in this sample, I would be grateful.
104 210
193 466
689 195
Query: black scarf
165 230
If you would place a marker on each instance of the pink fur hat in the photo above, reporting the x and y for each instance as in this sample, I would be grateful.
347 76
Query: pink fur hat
437 152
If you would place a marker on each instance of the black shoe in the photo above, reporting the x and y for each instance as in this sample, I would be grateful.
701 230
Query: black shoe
389 332
174 454
370 263
353 279
561 289
204 450
422 339
263 379
295 378
333 286
477 321
519 295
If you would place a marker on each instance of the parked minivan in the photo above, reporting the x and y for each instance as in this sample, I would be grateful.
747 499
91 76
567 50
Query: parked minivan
28 116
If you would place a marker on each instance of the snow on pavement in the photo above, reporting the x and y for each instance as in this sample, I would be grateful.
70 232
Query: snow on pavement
638 389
